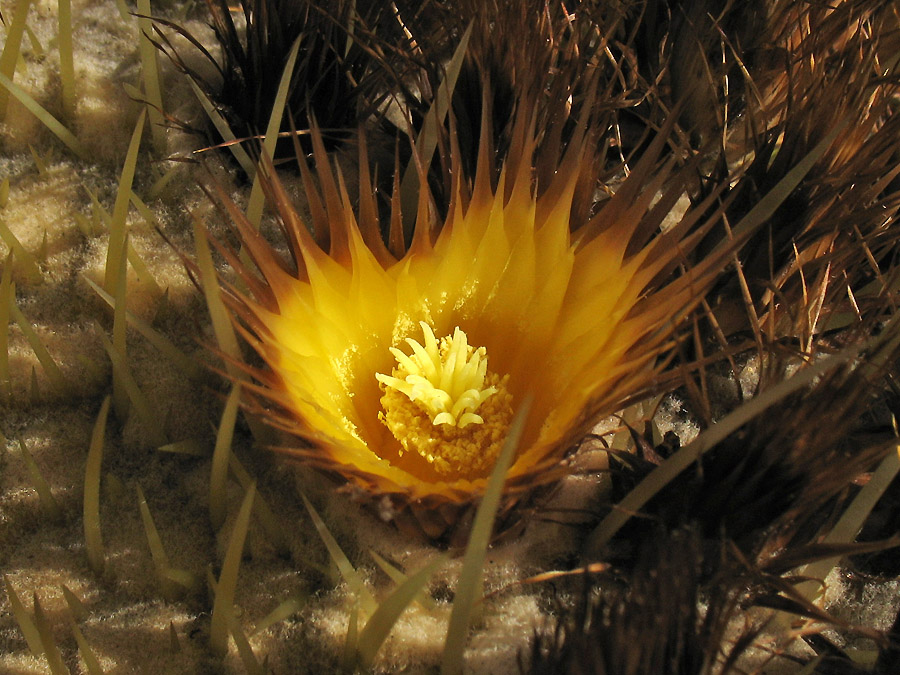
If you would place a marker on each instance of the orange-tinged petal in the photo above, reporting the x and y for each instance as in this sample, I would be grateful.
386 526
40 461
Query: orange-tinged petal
522 301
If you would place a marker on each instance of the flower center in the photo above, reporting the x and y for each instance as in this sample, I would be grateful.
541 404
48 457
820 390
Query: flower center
442 403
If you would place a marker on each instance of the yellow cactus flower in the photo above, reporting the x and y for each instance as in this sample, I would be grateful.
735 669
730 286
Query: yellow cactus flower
400 368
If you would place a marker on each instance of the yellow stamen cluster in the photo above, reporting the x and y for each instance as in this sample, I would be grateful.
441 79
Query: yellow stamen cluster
442 403
447 378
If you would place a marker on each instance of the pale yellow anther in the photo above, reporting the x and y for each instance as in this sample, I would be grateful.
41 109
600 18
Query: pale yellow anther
441 402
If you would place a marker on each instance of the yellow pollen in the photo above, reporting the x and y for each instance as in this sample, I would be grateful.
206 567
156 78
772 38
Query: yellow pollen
442 403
